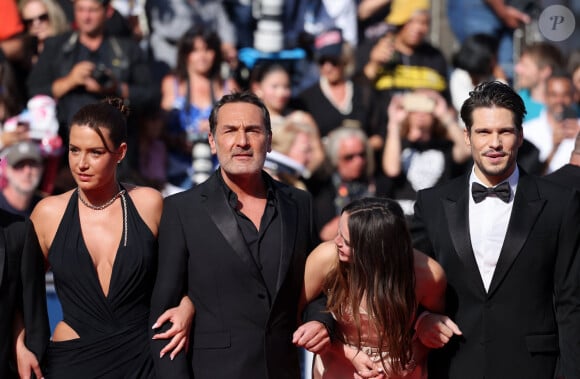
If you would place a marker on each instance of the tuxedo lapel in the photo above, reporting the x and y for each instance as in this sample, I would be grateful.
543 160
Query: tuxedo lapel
527 206
221 214
456 207
289 217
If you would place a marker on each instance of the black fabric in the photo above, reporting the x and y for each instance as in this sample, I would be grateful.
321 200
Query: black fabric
567 175
502 191
510 329
424 56
237 332
4 204
126 60
327 116
263 241
21 290
113 329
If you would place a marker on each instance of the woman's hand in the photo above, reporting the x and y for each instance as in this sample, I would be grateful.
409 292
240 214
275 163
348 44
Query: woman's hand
181 318
26 360
364 366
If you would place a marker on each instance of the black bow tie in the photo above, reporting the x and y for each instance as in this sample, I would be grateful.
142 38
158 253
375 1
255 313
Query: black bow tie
480 192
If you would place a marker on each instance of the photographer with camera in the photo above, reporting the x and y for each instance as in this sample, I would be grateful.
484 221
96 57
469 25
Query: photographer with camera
84 66
554 131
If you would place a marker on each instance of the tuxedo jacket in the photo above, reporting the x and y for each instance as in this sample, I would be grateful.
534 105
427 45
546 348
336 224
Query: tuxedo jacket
238 331
567 175
21 290
527 325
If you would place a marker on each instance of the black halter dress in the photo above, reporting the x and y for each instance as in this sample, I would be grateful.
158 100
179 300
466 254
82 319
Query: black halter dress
113 329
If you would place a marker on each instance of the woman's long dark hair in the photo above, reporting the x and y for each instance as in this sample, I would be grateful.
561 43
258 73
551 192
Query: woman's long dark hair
186 45
380 278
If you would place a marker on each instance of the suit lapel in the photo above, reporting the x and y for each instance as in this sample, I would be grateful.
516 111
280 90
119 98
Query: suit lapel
456 207
221 214
289 218
527 206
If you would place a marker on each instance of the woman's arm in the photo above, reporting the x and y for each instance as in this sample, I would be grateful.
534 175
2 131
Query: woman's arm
432 327
168 92
392 151
319 263
430 283
448 118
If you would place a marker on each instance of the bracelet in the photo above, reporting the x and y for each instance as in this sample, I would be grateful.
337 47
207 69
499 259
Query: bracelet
420 318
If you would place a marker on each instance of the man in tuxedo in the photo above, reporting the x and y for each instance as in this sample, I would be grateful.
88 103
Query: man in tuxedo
569 174
508 242
237 245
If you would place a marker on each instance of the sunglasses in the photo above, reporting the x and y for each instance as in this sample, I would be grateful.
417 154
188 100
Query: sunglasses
335 61
41 18
26 163
350 157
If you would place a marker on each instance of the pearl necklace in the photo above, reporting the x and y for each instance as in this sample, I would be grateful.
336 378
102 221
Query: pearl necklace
102 206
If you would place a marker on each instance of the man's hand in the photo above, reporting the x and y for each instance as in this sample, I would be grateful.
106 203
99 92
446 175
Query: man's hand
513 18
434 330
313 336
81 72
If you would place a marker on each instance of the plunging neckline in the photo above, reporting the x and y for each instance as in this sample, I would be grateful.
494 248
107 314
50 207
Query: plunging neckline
90 256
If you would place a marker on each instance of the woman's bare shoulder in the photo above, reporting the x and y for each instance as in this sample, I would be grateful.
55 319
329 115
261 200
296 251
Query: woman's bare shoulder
51 207
47 215
149 204
325 252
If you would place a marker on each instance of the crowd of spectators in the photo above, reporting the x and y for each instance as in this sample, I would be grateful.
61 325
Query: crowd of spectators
365 72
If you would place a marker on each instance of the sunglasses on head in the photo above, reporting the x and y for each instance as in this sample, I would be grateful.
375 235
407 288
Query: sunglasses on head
350 157
41 18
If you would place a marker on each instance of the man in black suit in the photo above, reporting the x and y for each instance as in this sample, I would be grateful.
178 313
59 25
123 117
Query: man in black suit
237 245
569 174
21 298
509 243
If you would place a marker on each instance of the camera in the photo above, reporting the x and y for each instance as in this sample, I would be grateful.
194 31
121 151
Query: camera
568 112
102 75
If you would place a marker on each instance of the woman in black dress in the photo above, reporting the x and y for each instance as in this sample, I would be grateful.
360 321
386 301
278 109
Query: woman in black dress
100 241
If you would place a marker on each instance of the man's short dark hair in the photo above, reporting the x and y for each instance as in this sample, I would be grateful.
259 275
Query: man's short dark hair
493 94
239 97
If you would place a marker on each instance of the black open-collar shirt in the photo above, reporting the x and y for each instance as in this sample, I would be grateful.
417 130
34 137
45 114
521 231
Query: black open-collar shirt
263 243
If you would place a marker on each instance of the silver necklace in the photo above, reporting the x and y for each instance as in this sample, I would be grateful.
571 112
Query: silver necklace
102 206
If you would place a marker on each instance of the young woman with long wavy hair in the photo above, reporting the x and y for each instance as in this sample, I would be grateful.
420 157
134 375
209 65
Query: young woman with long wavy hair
374 282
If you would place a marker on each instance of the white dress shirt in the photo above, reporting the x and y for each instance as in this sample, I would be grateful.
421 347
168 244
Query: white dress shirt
488 223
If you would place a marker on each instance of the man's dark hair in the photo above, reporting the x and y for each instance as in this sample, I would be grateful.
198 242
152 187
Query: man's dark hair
239 97
493 94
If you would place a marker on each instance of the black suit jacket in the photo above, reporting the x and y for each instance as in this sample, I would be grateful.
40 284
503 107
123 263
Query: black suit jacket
21 290
530 316
567 175
238 331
